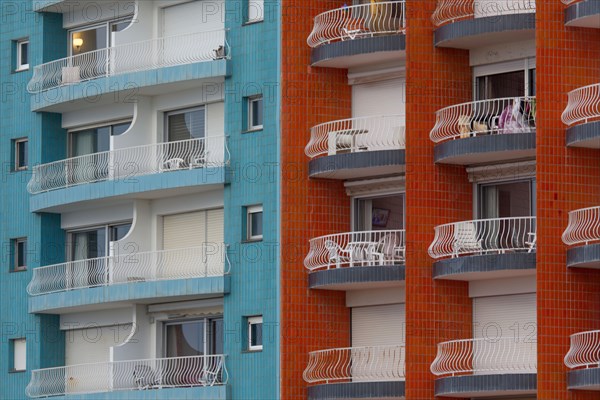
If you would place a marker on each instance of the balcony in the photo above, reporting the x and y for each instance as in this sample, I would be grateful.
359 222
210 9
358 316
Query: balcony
468 24
356 260
582 13
484 249
128 170
485 131
357 147
130 62
130 277
582 117
583 237
356 372
359 35
206 376
484 367
583 359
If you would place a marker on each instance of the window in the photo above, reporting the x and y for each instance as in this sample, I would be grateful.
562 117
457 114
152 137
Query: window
185 124
94 139
256 10
502 80
21 154
255 333
22 63
95 37
379 213
195 337
255 113
254 223
18 349
507 199
19 254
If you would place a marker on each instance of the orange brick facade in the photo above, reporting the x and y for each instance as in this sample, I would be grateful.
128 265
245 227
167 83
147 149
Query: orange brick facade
568 301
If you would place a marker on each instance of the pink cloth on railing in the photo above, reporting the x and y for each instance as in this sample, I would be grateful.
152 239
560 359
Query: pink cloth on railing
512 120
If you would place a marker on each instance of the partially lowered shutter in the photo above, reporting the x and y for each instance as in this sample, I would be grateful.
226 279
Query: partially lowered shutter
378 98
193 16
379 328
507 326
92 345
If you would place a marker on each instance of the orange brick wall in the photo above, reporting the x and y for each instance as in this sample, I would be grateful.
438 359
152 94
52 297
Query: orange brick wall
567 179
311 319
436 310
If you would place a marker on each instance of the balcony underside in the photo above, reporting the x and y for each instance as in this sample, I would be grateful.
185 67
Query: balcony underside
360 52
487 266
353 278
585 14
361 164
584 256
584 379
357 390
126 87
113 296
584 135
165 184
486 149
221 392
467 386
478 32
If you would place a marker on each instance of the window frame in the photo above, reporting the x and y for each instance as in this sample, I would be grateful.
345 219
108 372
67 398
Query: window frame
208 335
71 132
15 254
251 126
109 25
70 246
13 355
479 187
167 114
255 320
255 209
17 158
19 67
526 65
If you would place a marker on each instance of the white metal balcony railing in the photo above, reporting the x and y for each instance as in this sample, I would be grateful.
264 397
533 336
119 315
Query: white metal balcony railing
356 135
583 227
196 262
455 10
584 351
583 105
495 235
131 57
364 20
352 249
364 364
511 115
128 375
127 163
485 356
568 2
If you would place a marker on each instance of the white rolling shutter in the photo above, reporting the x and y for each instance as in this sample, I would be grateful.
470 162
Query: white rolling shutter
378 98
511 317
376 326
193 16
182 231
93 345
215 226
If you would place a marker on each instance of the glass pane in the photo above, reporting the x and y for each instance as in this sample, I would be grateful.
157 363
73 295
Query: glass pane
22 154
88 244
510 84
185 339
217 334
532 81
186 125
256 224
21 254
118 232
93 39
24 53
256 335
119 26
506 200
257 112
119 129
102 139
90 141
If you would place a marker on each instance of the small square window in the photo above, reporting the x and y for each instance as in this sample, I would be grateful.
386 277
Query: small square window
18 348
21 154
19 249
255 113
255 333
22 63
256 10
255 223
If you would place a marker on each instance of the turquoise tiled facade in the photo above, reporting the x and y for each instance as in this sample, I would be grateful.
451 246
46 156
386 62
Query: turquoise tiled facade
250 178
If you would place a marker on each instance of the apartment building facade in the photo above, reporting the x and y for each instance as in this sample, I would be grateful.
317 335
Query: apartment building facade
292 199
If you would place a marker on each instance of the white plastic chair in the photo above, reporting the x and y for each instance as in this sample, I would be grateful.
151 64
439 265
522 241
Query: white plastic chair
336 254
465 239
